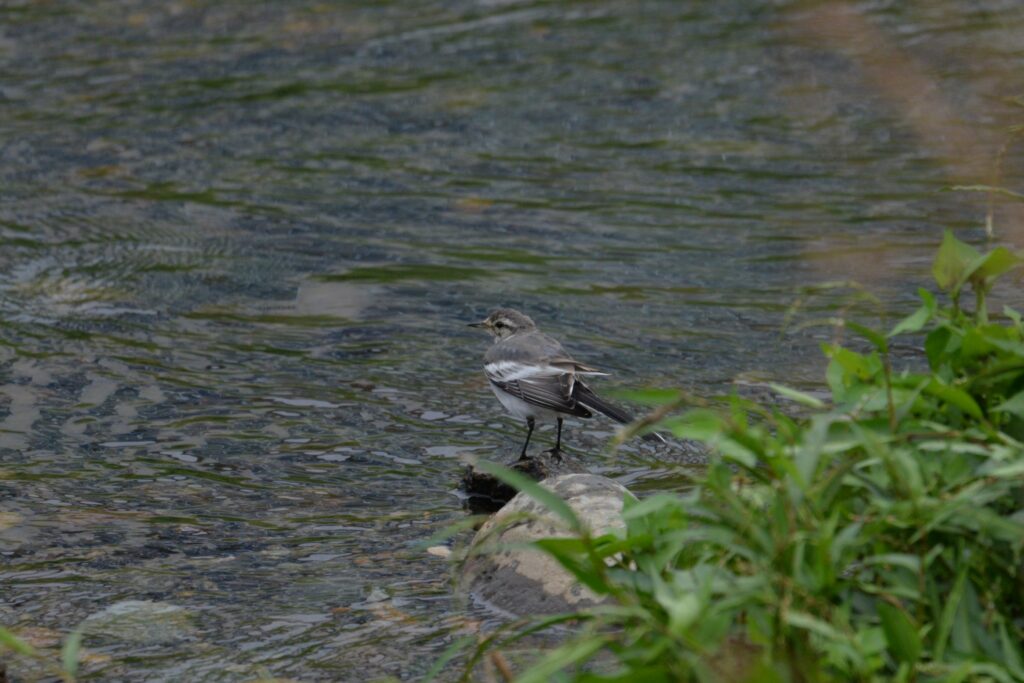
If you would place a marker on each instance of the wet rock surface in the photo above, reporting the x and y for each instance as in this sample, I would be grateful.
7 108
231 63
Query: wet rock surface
503 574
485 493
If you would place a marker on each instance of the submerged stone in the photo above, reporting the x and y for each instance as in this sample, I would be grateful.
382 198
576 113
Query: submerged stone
141 621
504 573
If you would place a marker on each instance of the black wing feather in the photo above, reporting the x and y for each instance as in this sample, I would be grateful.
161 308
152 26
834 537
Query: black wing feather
584 395
552 392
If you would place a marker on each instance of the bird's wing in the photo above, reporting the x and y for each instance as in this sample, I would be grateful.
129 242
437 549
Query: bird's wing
543 385
588 399
575 366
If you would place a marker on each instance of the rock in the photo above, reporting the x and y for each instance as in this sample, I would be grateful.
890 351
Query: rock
501 573
141 621
485 493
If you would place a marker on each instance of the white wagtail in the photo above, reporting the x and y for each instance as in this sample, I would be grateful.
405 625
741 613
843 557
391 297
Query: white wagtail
535 379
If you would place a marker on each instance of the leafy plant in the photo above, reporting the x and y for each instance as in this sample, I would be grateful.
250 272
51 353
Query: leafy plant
70 651
878 538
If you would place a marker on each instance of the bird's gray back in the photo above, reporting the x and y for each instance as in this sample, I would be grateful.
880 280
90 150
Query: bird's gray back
527 346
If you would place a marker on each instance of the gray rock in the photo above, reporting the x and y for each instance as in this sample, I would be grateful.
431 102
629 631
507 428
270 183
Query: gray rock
141 621
486 493
521 581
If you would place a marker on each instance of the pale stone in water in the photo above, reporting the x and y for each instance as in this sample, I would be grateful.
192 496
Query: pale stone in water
9 519
522 581
141 621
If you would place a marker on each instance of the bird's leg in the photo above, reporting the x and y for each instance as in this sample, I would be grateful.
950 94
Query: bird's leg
557 450
529 433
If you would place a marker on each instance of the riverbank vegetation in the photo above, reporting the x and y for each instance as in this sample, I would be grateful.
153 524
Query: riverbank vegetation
877 537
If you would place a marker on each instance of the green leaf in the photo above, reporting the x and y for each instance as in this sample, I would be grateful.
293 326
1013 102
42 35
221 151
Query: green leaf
919 318
700 425
450 653
559 658
1013 405
14 643
647 506
936 345
683 610
954 396
1008 471
533 489
845 541
909 562
949 610
652 673
571 553
798 396
984 672
734 450
876 338
813 624
990 266
1011 652
952 261
69 652
835 376
975 344
900 632
856 365
1012 315
809 451
453 529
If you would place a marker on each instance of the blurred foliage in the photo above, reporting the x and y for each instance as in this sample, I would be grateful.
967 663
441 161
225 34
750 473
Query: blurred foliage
877 538
64 670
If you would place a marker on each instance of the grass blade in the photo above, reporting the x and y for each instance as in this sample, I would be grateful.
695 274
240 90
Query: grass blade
531 488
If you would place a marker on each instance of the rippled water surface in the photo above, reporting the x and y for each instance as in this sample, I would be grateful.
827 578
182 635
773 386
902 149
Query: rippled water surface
240 243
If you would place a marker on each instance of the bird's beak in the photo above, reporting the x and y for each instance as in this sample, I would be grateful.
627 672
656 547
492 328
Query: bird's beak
482 323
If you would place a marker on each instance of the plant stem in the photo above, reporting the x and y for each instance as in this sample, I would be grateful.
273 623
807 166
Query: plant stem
980 311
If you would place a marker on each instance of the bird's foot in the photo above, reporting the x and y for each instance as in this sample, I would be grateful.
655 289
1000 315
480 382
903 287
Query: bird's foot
555 453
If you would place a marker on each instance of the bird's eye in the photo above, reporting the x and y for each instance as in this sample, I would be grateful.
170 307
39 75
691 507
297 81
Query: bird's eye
500 324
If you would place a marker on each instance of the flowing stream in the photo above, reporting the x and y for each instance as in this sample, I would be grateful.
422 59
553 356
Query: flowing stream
239 244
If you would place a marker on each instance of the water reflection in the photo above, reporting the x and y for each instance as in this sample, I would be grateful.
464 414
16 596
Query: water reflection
240 243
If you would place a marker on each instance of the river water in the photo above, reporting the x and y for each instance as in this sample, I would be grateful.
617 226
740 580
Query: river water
240 243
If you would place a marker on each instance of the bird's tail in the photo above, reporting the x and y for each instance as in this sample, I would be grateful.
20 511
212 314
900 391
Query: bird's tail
591 400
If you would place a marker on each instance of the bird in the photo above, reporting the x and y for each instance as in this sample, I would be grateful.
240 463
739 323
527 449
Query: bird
535 379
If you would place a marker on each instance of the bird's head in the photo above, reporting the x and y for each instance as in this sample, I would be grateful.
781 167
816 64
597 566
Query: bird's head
505 322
